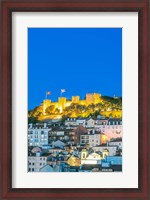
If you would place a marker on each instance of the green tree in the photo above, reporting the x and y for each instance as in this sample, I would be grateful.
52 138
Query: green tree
95 114
50 109
32 120
91 108
57 111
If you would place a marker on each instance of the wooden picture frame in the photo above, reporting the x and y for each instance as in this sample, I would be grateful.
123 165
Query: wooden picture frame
10 6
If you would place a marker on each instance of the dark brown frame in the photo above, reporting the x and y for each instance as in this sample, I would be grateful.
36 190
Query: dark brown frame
9 6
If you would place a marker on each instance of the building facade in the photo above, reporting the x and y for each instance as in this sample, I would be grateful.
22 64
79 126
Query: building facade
36 161
112 128
38 135
91 139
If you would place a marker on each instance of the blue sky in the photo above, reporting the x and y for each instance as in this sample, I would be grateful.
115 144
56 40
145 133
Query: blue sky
80 60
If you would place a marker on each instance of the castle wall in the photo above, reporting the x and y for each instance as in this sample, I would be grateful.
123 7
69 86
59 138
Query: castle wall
97 98
82 102
93 98
62 101
75 99
46 104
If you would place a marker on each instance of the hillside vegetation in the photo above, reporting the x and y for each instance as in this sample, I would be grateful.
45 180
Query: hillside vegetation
109 107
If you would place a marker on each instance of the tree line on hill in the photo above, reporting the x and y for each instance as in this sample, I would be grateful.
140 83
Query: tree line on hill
113 105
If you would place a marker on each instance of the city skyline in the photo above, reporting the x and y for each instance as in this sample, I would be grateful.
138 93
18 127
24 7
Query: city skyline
74 59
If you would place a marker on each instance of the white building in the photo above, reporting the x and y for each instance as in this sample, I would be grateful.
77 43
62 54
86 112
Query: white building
38 135
90 123
91 139
85 122
71 122
116 143
81 122
101 121
111 149
92 158
112 128
36 161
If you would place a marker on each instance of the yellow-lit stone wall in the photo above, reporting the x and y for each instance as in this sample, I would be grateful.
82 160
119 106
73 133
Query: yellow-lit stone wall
62 101
97 98
46 104
75 99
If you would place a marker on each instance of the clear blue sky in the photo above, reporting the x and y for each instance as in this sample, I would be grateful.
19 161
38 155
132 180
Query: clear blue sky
80 60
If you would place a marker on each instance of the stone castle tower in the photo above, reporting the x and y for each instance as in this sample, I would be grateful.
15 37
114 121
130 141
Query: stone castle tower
46 104
61 103
75 99
92 98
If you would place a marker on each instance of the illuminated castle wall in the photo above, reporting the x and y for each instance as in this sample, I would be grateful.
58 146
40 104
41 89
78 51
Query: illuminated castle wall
63 102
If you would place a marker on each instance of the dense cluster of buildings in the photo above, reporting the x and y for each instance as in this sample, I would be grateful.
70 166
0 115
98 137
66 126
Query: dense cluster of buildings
75 145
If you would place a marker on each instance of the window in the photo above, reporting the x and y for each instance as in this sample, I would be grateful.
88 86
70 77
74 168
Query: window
32 163
33 169
40 163
29 169
40 158
84 155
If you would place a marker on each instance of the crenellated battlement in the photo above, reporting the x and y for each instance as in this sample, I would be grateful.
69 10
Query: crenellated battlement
91 98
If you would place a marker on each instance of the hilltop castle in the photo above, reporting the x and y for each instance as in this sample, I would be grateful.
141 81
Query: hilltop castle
92 98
